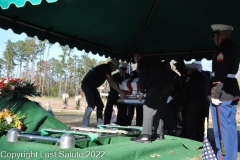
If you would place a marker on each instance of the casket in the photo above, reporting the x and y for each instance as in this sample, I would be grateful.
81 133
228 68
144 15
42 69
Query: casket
131 87
130 100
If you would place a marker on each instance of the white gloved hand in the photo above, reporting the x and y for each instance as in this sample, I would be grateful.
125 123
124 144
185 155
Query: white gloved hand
216 101
169 99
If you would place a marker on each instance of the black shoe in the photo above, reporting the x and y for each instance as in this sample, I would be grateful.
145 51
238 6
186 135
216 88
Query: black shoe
144 138
160 137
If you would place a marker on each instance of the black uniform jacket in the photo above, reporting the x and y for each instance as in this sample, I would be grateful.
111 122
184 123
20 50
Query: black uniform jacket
196 90
117 78
225 61
154 78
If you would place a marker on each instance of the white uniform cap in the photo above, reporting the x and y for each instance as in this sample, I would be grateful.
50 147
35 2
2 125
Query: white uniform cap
123 65
199 67
191 66
221 27
115 62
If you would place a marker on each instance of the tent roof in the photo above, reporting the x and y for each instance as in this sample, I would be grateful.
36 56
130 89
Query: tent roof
172 29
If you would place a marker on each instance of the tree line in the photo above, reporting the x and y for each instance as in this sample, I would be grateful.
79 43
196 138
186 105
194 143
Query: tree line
29 60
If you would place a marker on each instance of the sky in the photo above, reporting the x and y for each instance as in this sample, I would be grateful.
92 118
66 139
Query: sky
55 50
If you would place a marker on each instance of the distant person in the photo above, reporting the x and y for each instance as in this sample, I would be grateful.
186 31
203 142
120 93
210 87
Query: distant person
114 115
77 100
65 99
48 108
225 91
94 79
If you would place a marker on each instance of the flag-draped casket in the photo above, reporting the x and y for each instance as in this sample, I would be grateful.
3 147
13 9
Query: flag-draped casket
131 86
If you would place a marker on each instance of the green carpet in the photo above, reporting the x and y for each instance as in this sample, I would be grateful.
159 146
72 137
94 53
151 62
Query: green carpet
119 147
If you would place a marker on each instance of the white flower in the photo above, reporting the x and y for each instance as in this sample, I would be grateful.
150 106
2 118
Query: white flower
6 81
9 120
32 81
24 84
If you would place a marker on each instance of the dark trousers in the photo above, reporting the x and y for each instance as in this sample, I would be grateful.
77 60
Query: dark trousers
193 122
78 105
109 109
171 118
139 115
125 114
93 99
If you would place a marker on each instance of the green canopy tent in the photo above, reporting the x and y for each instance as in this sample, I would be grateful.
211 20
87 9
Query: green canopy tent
171 29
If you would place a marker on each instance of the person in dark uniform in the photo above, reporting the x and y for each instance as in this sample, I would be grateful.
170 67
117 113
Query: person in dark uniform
138 108
94 79
196 91
178 98
208 75
157 82
113 95
171 116
225 91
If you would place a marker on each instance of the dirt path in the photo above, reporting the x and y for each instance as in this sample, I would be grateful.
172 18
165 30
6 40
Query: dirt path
71 117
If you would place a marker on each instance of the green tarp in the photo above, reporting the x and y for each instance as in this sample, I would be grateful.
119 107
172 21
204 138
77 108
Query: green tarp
119 147
172 29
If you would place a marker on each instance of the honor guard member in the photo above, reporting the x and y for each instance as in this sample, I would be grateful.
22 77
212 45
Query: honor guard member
94 79
196 91
225 92
113 95
208 75
139 107
172 111
157 82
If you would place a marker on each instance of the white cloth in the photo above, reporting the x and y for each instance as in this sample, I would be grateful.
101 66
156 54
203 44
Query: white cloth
65 96
78 97
216 101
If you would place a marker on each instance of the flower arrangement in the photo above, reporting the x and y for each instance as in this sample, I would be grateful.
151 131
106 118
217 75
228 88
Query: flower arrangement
17 88
10 120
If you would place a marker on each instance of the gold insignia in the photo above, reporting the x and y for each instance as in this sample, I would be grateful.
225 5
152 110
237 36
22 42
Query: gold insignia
220 57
